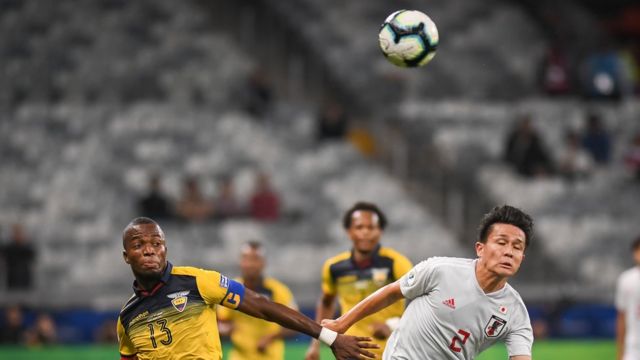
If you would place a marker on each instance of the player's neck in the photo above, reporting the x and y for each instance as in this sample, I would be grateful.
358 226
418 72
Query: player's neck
359 256
252 283
488 281
147 283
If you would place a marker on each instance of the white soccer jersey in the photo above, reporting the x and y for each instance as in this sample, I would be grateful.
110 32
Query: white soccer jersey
450 316
628 301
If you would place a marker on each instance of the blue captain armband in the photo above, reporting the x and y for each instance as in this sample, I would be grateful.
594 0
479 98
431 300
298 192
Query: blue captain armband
234 296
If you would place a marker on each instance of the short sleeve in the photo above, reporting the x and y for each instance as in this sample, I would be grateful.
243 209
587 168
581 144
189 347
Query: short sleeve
328 282
401 266
216 288
285 297
520 340
622 295
125 345
419 280
224 313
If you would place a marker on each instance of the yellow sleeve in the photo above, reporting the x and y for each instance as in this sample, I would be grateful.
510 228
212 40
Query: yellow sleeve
216 288
285 297
224 313
328 283
125 345
401 266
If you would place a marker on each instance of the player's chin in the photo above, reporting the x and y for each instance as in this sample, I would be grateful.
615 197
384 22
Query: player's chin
506 271
150 271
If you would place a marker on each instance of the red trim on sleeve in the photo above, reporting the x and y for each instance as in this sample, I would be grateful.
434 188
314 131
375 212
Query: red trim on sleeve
128 357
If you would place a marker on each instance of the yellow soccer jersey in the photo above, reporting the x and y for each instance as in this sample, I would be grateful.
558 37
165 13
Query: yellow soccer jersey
351 284
248 330
177 319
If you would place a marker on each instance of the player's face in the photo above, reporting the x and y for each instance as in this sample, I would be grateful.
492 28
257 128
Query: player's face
251 263
145 250
364 231
503 252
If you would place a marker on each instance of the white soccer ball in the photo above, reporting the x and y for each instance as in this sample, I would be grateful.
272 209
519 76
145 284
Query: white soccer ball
408 38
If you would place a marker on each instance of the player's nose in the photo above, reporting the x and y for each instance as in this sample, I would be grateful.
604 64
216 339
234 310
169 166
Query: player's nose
148 250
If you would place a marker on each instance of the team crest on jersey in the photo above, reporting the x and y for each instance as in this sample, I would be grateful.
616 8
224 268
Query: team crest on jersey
494 326
411 278
179 300
380 275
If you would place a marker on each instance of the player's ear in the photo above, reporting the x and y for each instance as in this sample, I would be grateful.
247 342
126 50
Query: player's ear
125 257
479 249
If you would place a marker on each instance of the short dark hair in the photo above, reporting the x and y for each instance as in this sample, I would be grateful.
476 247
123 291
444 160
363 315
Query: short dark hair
255 245
506 214
142 220
635 244
364 206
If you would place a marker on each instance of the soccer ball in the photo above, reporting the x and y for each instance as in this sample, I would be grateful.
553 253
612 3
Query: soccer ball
408 38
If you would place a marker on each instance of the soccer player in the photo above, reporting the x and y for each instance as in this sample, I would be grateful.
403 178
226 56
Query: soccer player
253 338
352 275
172 314
459 307
628 306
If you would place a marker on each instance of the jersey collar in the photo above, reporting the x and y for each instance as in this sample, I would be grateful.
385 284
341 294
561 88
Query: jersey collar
166 276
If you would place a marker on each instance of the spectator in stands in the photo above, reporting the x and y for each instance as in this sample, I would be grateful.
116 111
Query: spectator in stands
44 331
362 139
154 204
332 122
555 72
193 206
627 302
632 156
265 201
525 151
604 74
258 95
19 257
596 140
12 330
574 162
226 203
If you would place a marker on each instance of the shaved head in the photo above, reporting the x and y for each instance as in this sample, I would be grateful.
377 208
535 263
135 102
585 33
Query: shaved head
138 221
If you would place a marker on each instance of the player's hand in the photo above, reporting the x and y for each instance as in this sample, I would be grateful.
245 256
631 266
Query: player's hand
381 331
313 352
353 347
335 325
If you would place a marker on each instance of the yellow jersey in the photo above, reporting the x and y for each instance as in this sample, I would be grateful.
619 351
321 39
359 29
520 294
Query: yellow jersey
342 277
177 319
247 330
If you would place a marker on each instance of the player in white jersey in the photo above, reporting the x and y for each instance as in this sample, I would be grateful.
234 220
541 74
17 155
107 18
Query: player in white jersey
459 307
628 306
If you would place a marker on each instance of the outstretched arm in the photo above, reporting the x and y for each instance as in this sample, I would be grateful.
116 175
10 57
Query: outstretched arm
373 303
520 357
344 347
